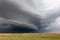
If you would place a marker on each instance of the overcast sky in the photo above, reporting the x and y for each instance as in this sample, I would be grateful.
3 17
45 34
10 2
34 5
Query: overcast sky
49 10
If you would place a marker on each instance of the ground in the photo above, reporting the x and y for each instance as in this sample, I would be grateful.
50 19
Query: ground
29 36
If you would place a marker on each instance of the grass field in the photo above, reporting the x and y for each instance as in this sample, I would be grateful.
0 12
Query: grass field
29 36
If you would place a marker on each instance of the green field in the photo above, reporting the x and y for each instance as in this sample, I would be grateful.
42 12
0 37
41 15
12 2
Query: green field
29 36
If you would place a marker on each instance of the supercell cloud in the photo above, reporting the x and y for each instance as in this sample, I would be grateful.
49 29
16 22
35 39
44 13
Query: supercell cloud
32 12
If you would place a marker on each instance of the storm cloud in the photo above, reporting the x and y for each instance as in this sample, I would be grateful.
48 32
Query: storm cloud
29 16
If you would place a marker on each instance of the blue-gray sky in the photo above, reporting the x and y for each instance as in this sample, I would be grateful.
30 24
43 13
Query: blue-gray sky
47 10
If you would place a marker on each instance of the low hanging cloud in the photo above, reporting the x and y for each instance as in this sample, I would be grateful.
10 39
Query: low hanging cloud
46 10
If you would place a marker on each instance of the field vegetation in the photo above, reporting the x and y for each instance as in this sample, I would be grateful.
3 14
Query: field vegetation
29 36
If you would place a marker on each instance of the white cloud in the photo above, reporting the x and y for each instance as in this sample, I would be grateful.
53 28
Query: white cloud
54 26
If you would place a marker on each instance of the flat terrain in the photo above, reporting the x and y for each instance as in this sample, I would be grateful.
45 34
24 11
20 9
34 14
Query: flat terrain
29 36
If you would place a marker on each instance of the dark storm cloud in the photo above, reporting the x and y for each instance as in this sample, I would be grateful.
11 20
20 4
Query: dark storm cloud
10 11
9 28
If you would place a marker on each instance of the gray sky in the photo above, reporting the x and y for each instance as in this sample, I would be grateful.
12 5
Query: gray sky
49 10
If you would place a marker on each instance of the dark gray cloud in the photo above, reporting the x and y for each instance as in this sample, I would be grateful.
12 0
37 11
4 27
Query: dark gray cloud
10 11
29 16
